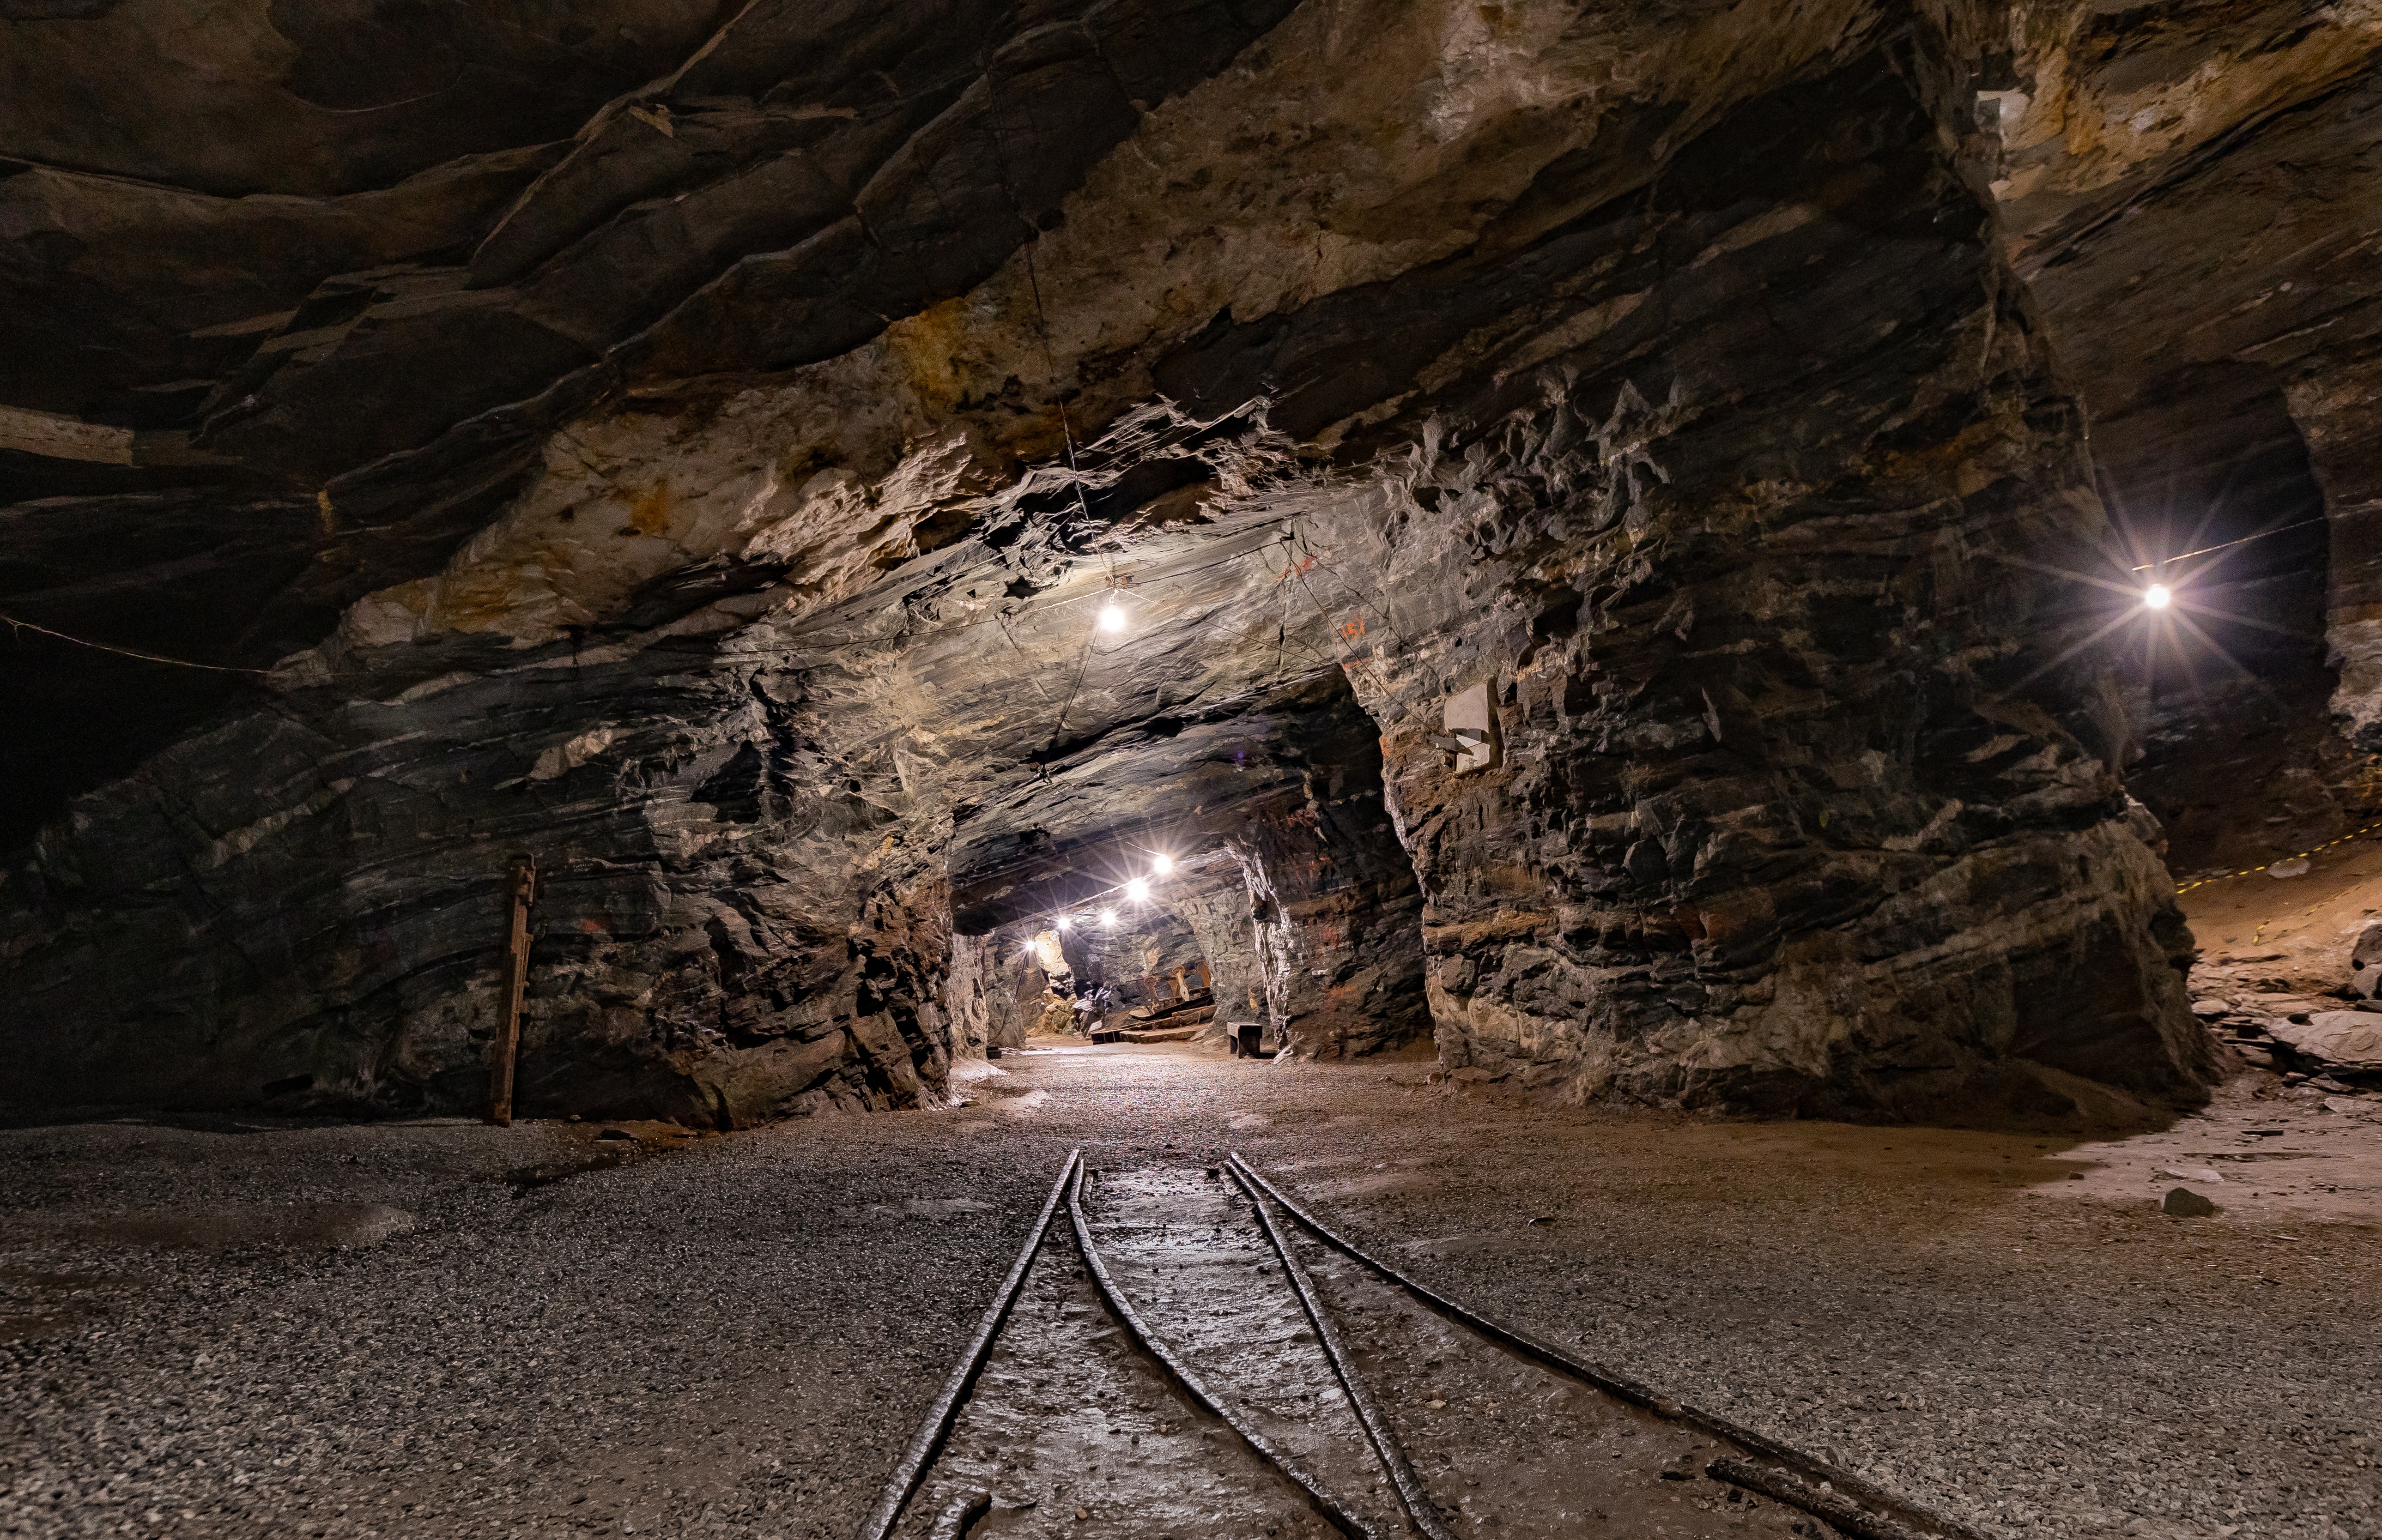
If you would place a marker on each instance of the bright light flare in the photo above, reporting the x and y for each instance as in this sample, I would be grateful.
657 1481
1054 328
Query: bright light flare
1161 864
1064 923
1107 917
1112 617
2157 596
1138 890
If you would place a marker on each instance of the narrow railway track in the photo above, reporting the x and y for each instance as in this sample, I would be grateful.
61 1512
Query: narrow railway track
1194 1353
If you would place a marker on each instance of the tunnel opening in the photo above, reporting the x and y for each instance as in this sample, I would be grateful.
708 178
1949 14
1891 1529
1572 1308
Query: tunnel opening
2213 498
1140 970
1254 894
1095 973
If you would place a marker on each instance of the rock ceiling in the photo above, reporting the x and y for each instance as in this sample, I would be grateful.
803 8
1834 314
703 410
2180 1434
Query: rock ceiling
689 447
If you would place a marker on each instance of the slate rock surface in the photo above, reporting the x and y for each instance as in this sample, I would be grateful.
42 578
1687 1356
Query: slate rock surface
701 477
2343 1043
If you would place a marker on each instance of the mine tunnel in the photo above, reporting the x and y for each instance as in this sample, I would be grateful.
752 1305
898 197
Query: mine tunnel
1214 769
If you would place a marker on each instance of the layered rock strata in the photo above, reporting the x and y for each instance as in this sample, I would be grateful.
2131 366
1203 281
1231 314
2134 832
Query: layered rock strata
724 521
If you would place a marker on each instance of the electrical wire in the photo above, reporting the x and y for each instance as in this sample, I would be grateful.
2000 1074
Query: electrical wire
1023 658
1082 662
1347 659
1381 605
2245 540
16 625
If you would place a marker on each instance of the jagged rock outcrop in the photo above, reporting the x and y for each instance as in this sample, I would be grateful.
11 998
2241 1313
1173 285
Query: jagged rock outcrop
314 892
711 495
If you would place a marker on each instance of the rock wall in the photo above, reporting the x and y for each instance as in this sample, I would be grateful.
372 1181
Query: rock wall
1704 385
2339 409
993 994
303 909
2185 191
1796 809
1336 925
1221 912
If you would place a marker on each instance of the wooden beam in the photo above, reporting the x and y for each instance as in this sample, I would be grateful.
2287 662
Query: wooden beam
56 437
521 891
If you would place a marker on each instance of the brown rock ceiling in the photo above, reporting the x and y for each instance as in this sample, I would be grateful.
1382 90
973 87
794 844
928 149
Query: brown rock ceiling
689 447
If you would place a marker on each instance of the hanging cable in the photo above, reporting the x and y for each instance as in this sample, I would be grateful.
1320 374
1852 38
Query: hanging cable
16 625
2245 540
1051 367
1349 660
1014 647
1033 287
1380 607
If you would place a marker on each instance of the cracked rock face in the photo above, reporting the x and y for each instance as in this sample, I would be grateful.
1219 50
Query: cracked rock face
705 475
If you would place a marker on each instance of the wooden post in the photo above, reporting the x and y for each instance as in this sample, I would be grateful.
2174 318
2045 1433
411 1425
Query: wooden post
521 889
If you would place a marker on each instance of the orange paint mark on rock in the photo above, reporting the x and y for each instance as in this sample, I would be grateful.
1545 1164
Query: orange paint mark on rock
927 344
649 511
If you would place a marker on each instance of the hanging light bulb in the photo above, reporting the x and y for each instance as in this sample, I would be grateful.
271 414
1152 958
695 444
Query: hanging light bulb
1112 617
2157 596
1064 921
1161 863
1107 917
1137 890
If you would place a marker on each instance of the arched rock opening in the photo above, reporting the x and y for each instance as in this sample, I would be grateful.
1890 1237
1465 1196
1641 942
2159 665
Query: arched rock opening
724 534
1286 873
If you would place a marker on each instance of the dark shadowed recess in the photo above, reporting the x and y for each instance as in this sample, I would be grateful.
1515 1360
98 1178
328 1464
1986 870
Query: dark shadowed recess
2189 302
1287 865
2231 686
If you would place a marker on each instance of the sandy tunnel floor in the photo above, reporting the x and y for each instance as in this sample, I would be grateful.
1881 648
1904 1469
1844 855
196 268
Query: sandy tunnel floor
2299 925
441 1328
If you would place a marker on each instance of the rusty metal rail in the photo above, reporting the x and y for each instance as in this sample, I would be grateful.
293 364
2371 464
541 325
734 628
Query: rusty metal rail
910 1472
1847 1501
1335 1511
912 1468
1783 1475
1412 1496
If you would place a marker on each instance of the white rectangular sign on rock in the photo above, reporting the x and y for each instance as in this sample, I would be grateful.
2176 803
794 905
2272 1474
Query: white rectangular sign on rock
1471 719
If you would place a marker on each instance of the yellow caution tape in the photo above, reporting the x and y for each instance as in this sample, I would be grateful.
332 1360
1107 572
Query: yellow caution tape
2354 833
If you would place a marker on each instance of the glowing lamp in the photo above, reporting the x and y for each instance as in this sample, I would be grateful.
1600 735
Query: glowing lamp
1161 864
1107 917
1064 921
1112 617
2157 596
1137 890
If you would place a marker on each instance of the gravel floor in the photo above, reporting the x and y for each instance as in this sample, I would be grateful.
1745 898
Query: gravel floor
440 1328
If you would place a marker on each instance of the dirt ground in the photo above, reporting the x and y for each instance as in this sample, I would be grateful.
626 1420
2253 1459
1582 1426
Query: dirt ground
442 1328
2289 935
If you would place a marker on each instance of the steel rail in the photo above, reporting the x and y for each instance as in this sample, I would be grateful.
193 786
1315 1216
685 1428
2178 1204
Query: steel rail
1784 1486
1808 1469
912 1468
1411 1493
961 1516
1187 1380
